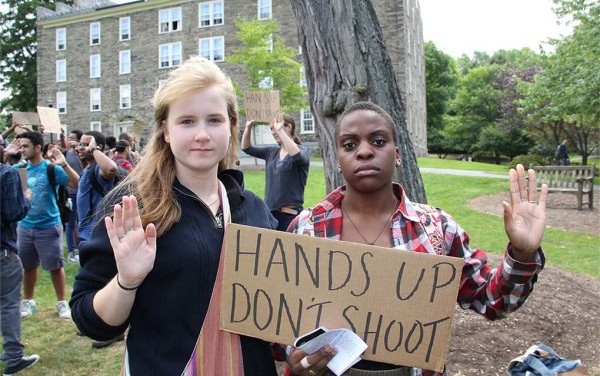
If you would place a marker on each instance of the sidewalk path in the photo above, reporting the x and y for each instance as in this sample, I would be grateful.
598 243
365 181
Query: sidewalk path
258 163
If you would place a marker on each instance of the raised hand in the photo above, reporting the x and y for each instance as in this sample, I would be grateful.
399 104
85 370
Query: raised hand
134 247
525 216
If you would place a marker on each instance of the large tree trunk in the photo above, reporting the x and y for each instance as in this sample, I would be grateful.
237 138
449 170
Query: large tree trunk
346 61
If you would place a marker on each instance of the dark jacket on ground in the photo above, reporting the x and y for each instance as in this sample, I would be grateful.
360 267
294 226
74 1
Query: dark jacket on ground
171 303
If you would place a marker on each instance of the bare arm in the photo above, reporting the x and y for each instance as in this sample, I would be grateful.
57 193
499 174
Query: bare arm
59 158
108 167
286 141
246 137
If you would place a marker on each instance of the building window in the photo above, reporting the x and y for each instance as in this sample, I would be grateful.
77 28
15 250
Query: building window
125 62
95 99
124 28
125 96
96 126
169 20
303 81
61 70
61 102
307 123
95 66
169 55
212 48
61 39
94 33
266 83
211 13
265 10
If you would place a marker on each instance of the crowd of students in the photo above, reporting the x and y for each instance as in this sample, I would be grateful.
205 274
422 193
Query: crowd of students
151 258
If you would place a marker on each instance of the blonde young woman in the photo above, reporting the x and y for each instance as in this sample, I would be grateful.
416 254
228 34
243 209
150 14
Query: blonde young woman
152 265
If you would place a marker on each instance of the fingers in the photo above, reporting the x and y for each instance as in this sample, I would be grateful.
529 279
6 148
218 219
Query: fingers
313 364
532 189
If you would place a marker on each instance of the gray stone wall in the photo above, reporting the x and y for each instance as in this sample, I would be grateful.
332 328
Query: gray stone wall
398 19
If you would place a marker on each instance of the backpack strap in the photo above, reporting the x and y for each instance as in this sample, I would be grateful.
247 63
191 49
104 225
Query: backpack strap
52 180
94 181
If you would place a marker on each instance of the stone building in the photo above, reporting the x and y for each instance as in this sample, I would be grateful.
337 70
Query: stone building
100 62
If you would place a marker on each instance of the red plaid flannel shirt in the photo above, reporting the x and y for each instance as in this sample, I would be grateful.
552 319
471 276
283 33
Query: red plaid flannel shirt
493 293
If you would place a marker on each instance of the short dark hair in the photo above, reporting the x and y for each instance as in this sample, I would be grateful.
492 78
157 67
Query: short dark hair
36 138
121 146
77 133
367 106
99 137
125 136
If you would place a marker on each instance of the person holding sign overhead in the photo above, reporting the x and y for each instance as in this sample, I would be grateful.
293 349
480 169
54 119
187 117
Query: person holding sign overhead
154 263
371 209
286 169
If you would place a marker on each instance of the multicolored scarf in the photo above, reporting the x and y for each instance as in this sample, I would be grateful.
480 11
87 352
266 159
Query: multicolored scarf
217 352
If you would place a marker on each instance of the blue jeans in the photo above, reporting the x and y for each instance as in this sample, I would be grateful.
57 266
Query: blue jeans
72 224
11 274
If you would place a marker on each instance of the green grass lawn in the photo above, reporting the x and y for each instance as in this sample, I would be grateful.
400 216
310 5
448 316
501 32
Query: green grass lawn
64 353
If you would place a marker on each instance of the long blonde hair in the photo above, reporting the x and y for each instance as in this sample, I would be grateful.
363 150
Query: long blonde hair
151 181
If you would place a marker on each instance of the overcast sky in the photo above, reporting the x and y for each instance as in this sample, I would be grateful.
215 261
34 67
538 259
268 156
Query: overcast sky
465 26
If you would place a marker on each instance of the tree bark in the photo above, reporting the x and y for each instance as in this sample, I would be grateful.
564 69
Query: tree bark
346 61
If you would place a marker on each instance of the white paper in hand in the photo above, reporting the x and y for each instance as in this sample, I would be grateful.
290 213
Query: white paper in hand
349 346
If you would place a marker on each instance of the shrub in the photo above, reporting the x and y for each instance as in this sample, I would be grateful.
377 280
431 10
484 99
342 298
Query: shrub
527 159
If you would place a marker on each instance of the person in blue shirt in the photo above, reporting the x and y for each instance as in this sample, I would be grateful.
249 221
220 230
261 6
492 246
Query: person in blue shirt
40 233
286 169
14 204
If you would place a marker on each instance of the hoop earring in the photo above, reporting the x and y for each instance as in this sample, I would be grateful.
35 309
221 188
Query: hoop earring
339 168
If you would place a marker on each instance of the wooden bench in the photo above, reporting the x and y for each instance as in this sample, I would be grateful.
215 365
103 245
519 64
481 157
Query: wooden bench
578 180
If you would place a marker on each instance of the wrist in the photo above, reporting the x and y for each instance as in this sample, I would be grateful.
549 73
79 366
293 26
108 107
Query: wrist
124 287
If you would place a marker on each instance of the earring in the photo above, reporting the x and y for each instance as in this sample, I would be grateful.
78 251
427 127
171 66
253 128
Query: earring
397 163
339 168
167 138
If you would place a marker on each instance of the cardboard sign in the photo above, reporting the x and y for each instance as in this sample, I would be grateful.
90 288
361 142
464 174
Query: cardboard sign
29 121
277 286
138 129
262 105
49 119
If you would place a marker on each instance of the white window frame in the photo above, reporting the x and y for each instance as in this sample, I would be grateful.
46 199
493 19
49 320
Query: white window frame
266 83
61 39
124 96
96 126
125 62
171 59
95 66
210 18
93 33
303 81
95 99
61 102
212 51
307 122
124 28
265 9
167 21
61 70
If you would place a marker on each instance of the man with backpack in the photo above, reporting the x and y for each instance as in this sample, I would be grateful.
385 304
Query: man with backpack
40 233
97 179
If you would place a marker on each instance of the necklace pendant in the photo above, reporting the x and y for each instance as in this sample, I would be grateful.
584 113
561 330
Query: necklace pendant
219 220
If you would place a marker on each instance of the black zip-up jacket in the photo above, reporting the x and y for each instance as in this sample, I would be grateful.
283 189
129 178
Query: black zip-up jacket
171 303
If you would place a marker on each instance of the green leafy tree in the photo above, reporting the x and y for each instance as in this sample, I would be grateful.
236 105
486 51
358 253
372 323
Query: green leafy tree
18 53
269 62
475 106
440 83
564 97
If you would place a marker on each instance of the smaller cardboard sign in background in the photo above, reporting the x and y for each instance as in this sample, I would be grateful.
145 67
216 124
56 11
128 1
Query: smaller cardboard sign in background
137 130
29 121
278 286
262 106
49 119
